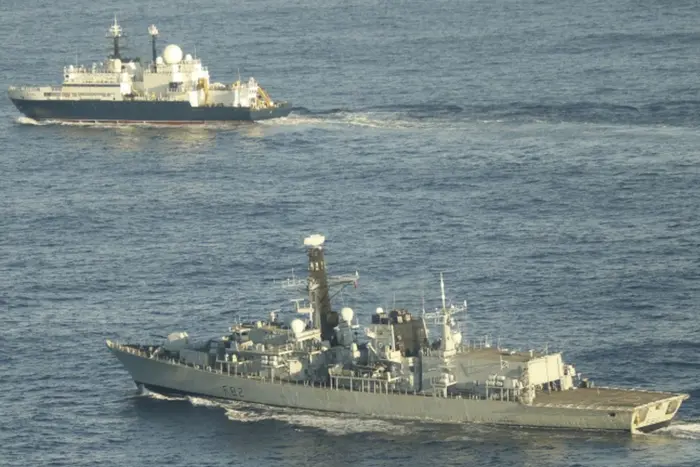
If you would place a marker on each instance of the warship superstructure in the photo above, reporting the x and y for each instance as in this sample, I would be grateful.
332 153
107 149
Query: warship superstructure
393 367
172 88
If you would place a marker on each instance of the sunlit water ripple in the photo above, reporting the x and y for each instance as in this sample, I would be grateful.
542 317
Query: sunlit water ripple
544 155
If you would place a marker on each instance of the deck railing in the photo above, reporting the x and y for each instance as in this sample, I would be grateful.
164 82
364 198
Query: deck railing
371 389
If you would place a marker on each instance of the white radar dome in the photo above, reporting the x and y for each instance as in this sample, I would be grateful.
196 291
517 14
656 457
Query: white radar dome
159 60
188 58
297 326
346 314
172 54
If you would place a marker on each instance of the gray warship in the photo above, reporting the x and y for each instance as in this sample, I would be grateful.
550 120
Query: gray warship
321 359
172 89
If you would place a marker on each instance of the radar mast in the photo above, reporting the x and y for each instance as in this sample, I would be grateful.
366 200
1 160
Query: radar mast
115 33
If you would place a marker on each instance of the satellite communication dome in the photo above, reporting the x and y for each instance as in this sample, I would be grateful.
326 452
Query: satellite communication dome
159 60
172 54
346 314
188 58
297 326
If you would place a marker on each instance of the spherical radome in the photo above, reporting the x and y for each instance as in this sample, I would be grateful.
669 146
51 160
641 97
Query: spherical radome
172 54
346 314
297 326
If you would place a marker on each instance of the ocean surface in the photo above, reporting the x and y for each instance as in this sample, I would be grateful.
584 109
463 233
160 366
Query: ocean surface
544 155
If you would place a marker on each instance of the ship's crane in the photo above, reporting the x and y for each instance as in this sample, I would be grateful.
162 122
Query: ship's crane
203 83
262 94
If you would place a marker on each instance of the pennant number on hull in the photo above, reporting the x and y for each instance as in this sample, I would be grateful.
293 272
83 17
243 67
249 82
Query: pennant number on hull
231 391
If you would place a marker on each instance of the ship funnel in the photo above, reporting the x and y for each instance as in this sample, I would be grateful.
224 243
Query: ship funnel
153 32
324 318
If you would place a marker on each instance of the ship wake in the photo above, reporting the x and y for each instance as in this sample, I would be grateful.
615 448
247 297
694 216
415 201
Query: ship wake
160 397
370 120
682 430
380 118
332 424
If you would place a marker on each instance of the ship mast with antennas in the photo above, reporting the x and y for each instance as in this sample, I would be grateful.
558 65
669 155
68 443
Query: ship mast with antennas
447 343
115 33
451 335
324 317
319 285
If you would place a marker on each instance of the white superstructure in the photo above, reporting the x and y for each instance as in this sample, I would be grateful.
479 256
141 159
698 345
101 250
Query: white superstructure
172 76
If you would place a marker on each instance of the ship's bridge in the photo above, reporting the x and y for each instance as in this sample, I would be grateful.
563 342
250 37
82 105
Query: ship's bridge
112 76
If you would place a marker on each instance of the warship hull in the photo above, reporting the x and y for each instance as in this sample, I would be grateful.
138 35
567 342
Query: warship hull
125 111
629 410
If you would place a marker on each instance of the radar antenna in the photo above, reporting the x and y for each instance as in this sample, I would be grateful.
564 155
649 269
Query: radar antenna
444 314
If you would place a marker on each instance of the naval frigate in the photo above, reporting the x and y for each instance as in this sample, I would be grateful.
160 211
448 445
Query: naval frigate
172 88
393 367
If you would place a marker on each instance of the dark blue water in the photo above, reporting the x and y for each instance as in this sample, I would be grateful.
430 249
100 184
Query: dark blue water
544 154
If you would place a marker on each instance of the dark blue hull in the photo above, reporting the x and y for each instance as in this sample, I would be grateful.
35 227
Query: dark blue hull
141 111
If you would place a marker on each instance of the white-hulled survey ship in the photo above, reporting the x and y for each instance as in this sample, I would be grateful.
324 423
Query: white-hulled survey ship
171 89
316 360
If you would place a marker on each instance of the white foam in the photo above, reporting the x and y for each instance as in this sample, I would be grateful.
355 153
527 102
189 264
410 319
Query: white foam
376 120
333 424
161 397
202 402
154 395
291 120
682 430
27 121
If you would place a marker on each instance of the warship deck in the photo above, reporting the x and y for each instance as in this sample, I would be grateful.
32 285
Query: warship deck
603 398
494 354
